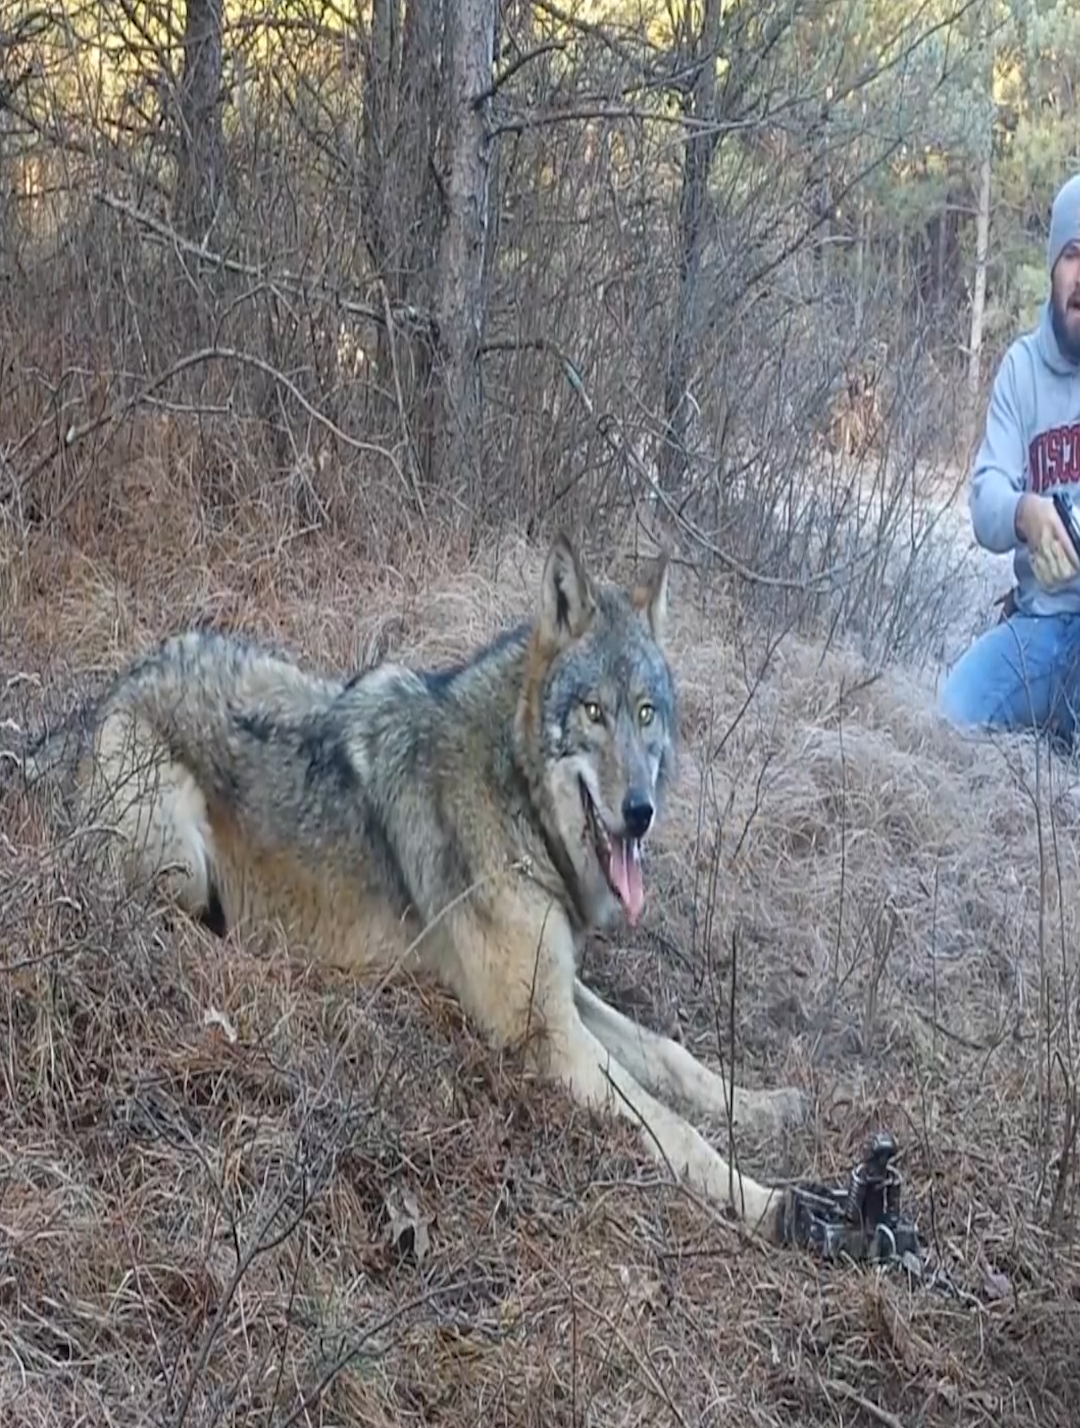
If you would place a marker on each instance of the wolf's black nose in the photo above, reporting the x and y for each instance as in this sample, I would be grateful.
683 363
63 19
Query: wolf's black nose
637 812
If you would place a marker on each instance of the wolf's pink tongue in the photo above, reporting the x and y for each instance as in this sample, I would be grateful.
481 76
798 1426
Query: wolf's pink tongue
626 878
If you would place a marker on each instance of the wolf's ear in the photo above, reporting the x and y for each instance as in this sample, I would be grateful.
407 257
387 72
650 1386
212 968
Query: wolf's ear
651 597
567 600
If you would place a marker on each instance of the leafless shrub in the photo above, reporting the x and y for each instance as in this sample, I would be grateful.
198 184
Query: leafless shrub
660 257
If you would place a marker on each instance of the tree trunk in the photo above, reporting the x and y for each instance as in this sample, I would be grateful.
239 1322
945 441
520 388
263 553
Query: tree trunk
978 297
379 89
862 231
941 261
699 148
381 227
419 207
470 33
423 49
200 178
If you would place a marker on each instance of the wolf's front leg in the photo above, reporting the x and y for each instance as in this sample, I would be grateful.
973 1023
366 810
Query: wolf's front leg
669 1070
580 1061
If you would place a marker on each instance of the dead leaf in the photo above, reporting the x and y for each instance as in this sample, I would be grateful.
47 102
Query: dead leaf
213 1017
643 1290
996 1285
407 1231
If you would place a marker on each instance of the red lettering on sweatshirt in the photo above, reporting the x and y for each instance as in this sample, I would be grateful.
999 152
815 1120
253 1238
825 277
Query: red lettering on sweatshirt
1054 458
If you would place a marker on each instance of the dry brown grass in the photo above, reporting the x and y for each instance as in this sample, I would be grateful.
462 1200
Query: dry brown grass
213 1161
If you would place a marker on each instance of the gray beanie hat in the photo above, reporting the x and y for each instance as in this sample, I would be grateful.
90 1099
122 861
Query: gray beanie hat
1064 220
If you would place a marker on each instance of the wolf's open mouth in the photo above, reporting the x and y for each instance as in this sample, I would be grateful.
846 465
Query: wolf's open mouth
620 858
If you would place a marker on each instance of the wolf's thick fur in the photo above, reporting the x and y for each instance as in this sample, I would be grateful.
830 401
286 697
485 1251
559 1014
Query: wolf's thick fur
474 822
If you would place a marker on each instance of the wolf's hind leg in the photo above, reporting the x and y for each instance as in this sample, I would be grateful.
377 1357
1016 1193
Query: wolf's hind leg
152 816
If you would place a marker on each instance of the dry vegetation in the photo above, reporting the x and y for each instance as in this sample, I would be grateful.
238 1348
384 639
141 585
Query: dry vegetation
236 1190
234 349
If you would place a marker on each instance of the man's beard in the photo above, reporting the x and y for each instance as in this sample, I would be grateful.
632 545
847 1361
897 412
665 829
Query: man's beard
1069 343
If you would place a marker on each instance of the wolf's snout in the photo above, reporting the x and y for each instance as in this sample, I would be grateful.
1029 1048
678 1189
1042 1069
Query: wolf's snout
637 812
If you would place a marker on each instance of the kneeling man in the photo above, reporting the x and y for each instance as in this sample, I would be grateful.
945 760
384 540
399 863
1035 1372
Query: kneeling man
1024 673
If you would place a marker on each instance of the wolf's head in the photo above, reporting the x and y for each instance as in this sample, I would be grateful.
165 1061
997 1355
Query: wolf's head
598 715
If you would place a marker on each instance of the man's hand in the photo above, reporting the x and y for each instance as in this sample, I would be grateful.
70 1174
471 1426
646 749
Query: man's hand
1053 559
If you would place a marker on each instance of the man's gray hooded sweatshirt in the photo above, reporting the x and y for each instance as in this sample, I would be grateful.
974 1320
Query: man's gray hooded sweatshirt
1032 437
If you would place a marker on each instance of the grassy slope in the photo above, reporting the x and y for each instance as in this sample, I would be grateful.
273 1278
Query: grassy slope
880 884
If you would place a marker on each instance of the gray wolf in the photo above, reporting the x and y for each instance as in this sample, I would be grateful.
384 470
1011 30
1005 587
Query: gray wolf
471 823
1025 674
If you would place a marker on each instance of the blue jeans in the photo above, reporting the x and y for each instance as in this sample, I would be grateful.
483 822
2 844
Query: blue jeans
1021 674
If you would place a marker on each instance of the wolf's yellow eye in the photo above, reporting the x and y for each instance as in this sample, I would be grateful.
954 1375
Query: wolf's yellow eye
593 711
646 714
